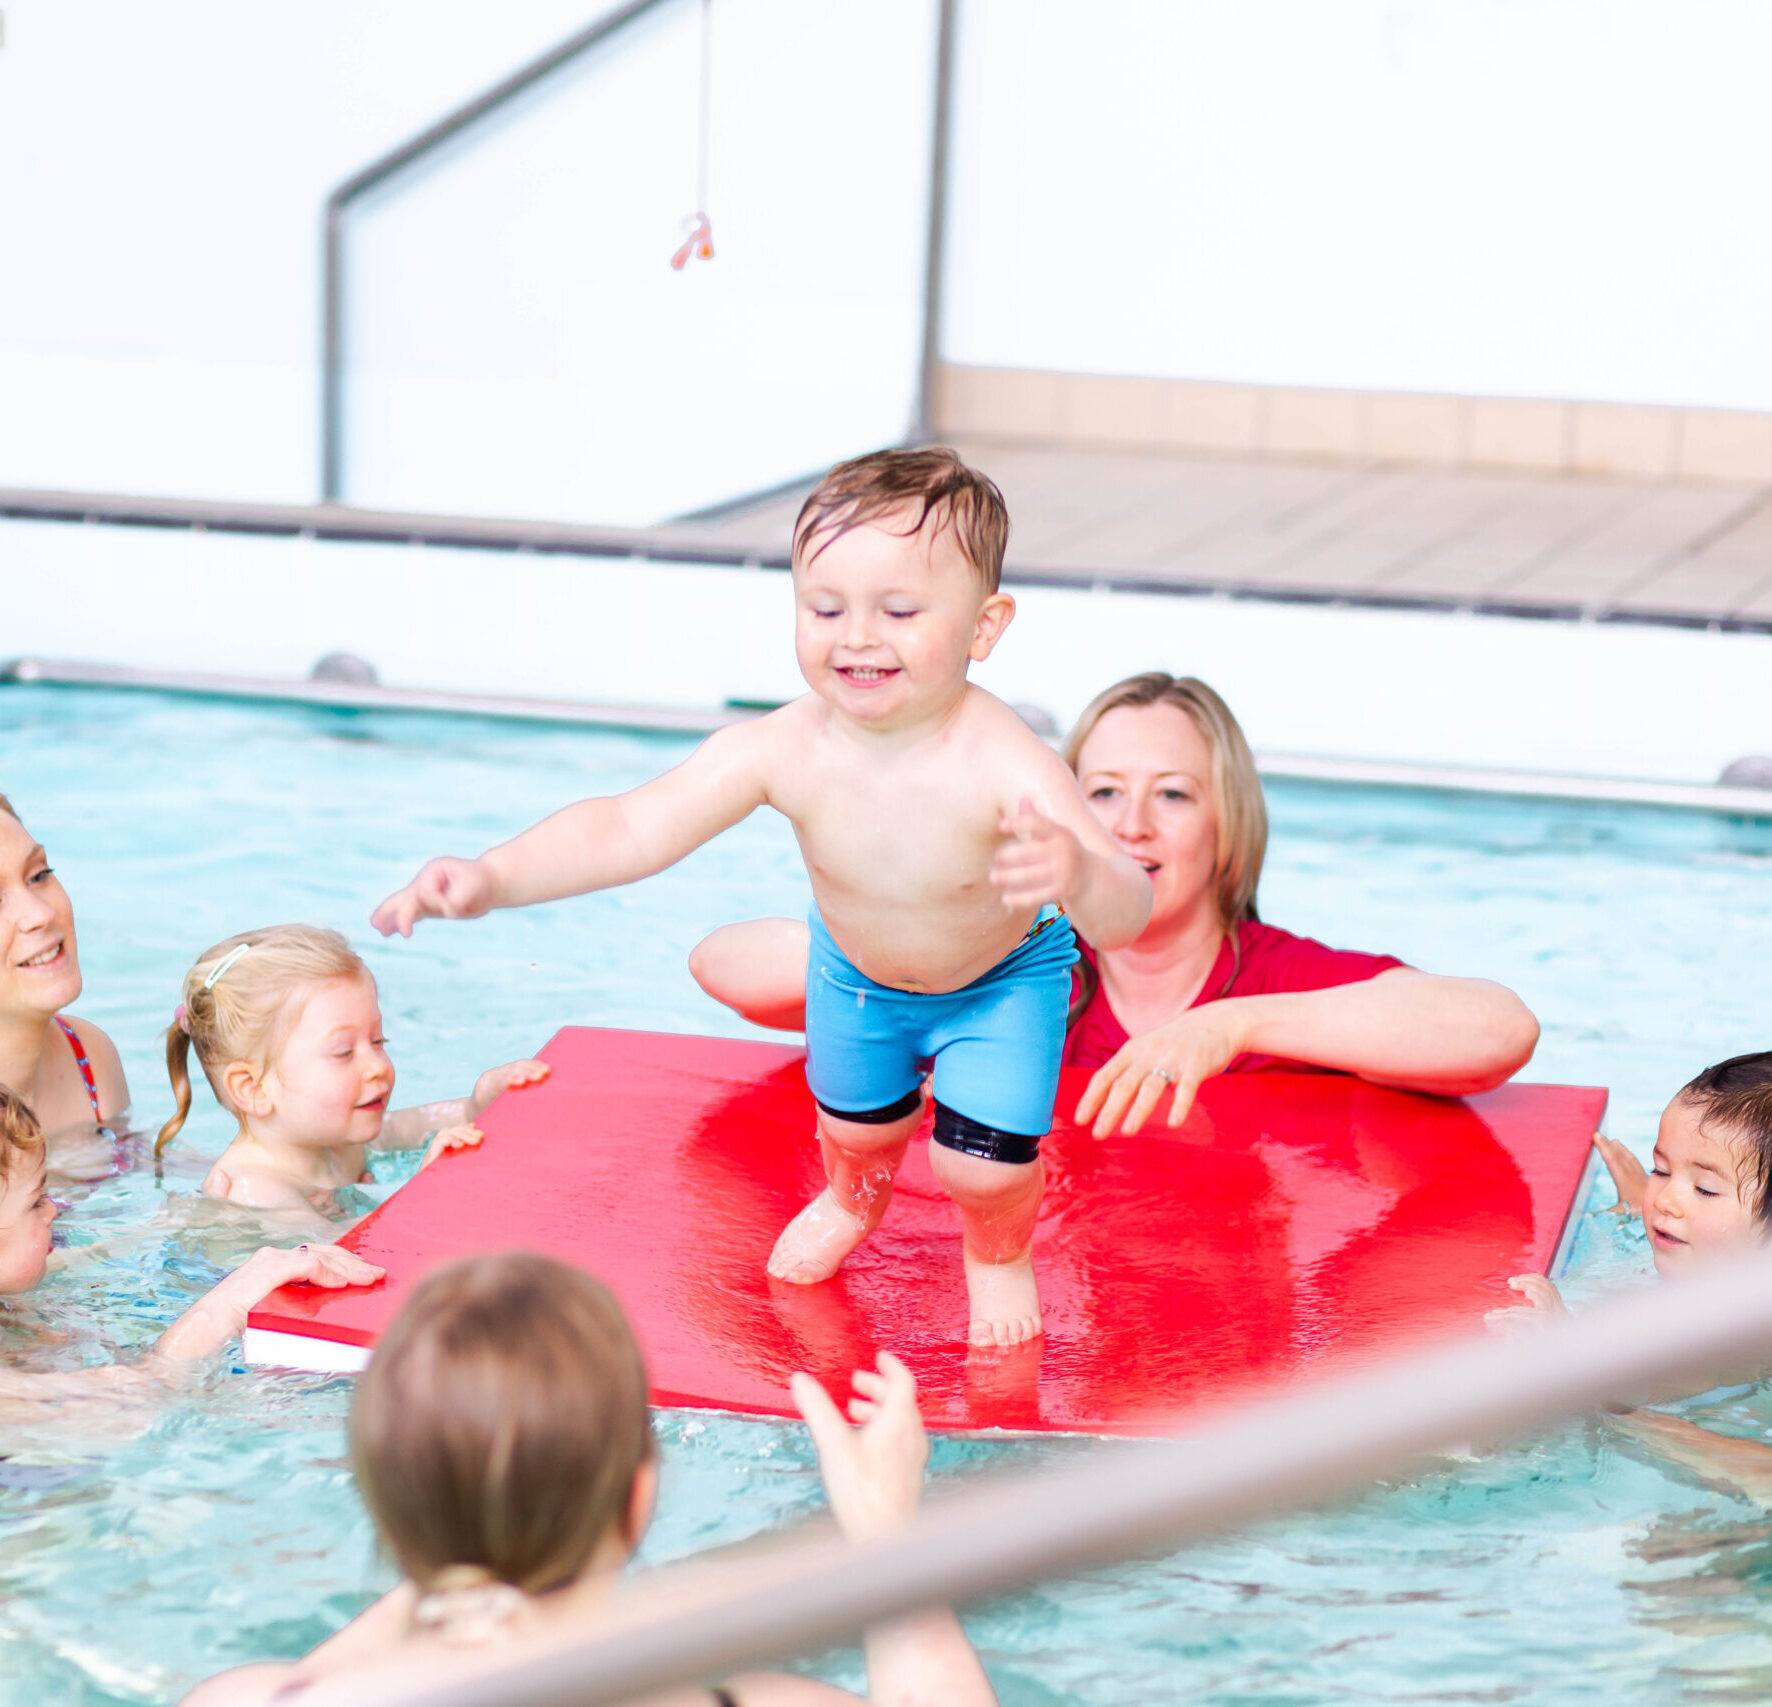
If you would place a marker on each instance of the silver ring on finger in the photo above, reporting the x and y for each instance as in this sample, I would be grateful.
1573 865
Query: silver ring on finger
1162 1073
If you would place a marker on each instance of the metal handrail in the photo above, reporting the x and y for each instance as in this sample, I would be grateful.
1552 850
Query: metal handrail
1244 1461
525 77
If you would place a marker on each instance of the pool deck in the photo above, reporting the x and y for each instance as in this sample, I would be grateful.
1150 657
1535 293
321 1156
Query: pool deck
1537 545
1575 547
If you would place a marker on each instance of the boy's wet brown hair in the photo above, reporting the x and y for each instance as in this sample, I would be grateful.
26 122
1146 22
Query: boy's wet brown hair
500 1425
20 1133
931 482
1734 1099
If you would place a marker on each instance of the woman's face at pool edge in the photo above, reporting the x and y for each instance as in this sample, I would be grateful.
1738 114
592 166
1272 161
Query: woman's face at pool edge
1146 772
39 963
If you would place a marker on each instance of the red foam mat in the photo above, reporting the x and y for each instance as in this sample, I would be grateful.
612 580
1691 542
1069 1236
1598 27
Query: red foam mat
1293 1217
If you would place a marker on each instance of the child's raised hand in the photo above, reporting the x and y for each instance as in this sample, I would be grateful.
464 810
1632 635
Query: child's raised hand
1544 1303
1628 1177
1042 861
463 1137
495 1081
443 889
873 1473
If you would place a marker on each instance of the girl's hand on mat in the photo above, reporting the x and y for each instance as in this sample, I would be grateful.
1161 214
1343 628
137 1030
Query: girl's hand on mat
1628 1177
1544 1303
1191 1047
495 1081
463 1137
443 889
1041 862
873 1473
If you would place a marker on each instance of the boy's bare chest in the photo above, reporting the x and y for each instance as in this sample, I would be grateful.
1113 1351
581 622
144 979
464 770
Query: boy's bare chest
894 825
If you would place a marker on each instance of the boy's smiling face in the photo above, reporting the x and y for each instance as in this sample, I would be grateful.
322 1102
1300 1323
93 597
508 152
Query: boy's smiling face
887 621
1698 1199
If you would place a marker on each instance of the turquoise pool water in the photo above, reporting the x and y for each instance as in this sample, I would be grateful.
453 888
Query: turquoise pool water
139 1557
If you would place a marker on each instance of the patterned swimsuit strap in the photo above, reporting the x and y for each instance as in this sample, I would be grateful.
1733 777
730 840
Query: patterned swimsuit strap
83 1063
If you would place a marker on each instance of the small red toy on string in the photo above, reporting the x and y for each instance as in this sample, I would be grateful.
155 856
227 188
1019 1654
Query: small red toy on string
699 243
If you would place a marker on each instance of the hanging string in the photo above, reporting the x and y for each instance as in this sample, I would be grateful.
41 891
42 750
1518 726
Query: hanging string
699 241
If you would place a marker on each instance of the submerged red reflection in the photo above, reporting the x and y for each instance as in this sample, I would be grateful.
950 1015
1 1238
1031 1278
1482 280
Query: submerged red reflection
1292 1218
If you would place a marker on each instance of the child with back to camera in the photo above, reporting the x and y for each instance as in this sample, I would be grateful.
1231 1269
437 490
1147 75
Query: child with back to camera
501 1442
286 1024
945 842
27 1215
1707 1192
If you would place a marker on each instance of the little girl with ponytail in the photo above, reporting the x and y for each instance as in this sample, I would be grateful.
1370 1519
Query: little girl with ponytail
286 1026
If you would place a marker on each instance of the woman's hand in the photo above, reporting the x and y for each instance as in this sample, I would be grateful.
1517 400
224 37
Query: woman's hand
873 1473
1544 1304
452 1138
1041 862
1628 1178
495 1081
443 889
1191 1047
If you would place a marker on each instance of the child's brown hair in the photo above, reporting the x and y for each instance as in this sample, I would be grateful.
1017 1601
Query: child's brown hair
1735 1098
934 479
236 1003
498 1430
20 1132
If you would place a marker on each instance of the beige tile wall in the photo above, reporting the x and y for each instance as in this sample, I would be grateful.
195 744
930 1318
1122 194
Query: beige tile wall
1365 426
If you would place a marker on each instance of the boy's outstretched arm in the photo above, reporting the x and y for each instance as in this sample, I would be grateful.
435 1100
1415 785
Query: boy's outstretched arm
601 843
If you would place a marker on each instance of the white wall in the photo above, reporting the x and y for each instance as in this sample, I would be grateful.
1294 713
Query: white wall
1539 197
1544 198
523 344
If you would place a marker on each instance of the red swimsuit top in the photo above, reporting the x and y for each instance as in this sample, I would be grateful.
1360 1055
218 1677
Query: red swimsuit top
84 1064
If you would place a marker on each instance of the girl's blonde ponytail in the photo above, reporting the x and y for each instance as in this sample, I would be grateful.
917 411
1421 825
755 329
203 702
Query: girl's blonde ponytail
178 1057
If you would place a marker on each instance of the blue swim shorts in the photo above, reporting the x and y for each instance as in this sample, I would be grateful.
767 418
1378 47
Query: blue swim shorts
996 1043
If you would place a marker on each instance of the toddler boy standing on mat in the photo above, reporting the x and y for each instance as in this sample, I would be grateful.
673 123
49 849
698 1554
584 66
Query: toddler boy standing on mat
946 844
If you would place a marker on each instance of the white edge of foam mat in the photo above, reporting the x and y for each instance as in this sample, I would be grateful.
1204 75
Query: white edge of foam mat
304 1351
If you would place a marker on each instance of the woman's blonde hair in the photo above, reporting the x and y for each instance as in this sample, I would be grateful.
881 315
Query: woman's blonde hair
500 1425
20 1131
237 1004
1237 799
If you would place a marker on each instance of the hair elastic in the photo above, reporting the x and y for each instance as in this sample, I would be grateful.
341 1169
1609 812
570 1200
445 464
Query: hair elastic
181 1017
224 963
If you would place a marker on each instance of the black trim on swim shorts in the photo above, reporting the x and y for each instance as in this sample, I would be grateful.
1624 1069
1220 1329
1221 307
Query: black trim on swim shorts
906 1104
989 1143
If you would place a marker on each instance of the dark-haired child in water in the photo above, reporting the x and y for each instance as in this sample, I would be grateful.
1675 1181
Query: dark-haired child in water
1708 1191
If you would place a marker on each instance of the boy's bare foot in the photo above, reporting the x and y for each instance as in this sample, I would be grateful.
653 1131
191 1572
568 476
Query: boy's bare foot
813 1245
1004 1300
